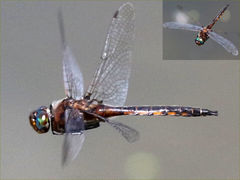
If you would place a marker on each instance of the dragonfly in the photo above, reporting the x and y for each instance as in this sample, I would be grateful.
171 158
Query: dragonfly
206 32
83 110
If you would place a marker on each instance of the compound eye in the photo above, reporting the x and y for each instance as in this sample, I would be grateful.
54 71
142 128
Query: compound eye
40 120
199 41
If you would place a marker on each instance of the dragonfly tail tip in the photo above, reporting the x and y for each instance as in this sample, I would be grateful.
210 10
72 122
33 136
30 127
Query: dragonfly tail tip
206 112
214 113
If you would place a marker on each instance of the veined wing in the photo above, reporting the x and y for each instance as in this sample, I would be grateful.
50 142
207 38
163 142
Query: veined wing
130 134
71 147
183 26
72 76
228 45
74 136
110 82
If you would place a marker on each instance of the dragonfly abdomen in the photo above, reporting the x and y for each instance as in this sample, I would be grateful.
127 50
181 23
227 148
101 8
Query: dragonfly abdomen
157 111
218 17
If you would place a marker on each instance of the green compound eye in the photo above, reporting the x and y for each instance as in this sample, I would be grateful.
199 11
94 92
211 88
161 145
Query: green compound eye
39 119
42 119
199 41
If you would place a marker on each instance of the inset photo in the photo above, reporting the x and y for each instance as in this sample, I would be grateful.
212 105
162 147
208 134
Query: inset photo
201 30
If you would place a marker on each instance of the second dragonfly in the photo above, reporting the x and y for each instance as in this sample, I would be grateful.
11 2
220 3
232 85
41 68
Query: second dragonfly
205 32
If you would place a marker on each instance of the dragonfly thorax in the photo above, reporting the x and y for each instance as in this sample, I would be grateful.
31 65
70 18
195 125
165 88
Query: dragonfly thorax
40 119
202 36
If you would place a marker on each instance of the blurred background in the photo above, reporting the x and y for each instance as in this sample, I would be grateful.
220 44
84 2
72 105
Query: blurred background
179 44
169 147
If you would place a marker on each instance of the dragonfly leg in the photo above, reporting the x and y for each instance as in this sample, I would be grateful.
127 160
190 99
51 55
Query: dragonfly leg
97 116
95 100
87 96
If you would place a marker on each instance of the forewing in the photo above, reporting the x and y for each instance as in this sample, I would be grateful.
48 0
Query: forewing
74 137
110 82
72 76
228 45
183 26
71 147
74 122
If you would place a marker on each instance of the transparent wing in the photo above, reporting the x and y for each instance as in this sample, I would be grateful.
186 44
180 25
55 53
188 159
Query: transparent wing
177 25
228 45
130 134
74 122
74 136
110 82
71 147
72 76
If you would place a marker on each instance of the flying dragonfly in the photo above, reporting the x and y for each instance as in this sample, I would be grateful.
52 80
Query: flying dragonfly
206 32
105 96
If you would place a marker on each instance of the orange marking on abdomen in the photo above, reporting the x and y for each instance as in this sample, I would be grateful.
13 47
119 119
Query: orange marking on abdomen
172 113
184 114
158 113
128 113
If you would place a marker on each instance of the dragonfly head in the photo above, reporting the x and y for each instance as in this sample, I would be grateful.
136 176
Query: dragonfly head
199 41
40 119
